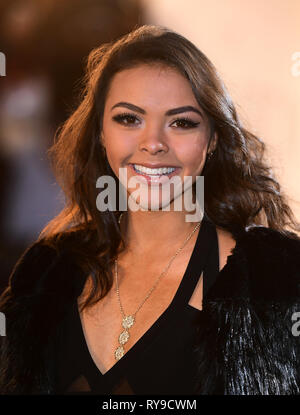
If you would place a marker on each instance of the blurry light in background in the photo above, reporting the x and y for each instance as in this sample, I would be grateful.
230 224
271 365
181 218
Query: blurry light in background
2 64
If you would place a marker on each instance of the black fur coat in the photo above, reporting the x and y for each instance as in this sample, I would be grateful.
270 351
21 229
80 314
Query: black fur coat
245 346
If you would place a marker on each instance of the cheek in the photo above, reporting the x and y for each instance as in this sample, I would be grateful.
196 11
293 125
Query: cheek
119 146
192 155
119 151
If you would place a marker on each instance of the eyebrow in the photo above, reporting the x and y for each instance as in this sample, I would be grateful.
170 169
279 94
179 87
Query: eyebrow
173 111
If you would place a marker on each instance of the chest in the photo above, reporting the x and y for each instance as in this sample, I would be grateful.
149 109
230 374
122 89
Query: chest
102 323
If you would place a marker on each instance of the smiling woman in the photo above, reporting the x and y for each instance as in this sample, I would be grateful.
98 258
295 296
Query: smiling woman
141 301
158 136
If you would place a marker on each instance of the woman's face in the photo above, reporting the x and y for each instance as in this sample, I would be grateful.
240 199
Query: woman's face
152 121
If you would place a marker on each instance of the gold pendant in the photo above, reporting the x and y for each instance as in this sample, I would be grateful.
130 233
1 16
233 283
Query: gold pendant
127 322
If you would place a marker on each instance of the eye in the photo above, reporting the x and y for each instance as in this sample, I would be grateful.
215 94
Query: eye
185 123
126 119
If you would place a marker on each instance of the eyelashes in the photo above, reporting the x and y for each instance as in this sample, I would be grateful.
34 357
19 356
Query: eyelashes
185 123
125 118
130 120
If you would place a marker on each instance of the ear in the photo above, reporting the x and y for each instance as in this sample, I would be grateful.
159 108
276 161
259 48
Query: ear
213 143
102 144
102 140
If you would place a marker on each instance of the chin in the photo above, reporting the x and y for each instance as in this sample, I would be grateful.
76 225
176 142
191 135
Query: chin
143 201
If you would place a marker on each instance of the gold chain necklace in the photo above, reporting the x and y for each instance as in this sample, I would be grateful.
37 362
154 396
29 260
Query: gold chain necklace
129 320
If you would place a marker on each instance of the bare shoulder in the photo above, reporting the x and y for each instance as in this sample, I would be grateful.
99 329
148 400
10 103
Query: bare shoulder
226 245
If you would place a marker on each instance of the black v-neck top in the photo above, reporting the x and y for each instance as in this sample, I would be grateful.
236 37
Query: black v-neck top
162 361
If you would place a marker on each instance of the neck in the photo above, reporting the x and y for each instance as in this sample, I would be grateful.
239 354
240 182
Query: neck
155 231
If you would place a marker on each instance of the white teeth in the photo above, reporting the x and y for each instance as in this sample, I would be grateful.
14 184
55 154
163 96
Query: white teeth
153 172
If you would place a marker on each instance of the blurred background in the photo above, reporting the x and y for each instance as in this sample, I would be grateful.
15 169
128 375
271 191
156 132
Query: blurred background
255 46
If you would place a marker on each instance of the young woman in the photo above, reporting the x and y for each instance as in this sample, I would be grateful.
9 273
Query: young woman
143 301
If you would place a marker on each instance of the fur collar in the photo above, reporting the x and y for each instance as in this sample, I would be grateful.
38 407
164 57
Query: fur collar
244 344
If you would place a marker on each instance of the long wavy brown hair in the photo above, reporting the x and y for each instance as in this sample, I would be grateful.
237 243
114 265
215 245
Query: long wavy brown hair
240 190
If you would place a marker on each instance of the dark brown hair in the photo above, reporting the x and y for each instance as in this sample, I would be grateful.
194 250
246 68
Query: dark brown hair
240 190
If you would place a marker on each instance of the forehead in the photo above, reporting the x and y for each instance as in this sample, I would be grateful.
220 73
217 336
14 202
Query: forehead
151 84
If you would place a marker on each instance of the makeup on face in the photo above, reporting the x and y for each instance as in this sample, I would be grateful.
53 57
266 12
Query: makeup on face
153 126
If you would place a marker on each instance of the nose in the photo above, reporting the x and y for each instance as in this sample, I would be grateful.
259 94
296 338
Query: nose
153 141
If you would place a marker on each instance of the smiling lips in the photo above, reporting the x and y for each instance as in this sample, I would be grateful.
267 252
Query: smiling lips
154 175
153 172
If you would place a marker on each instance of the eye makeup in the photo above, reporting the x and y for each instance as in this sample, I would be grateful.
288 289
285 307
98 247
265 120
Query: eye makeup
129 119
